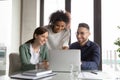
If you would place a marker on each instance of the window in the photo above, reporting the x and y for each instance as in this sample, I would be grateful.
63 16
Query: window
81 11
110 32
110 21
51 6
5 18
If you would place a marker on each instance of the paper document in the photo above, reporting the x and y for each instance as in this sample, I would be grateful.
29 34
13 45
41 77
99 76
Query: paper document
97 75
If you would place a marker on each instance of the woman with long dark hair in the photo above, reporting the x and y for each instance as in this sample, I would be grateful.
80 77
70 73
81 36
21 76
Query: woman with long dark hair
35 51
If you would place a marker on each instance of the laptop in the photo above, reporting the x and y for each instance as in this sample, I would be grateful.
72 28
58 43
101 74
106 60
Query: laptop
65 60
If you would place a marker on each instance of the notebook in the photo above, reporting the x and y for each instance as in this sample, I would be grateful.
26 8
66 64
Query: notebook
37 72
65 60
25 77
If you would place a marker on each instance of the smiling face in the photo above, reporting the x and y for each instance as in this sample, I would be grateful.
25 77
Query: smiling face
59 26
82 35
41 39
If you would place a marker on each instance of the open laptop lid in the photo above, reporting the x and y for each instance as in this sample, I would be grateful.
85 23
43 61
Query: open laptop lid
64 60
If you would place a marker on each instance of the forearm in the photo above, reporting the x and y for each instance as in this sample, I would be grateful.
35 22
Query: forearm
26 67
89 65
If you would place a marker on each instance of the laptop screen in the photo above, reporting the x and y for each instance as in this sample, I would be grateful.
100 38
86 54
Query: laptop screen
64 60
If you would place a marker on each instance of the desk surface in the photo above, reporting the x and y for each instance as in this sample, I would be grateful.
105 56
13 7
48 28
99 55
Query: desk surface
69 76
58 76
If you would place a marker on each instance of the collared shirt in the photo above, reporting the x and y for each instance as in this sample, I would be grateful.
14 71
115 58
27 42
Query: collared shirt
90 54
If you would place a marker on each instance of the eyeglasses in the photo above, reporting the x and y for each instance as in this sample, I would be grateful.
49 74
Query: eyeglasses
81 33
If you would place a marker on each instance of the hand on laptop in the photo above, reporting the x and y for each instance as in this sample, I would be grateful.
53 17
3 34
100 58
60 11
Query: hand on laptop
43 65
65 48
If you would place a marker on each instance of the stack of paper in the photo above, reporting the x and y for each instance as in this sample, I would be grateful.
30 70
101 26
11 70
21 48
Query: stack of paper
43 77
34 74
37 72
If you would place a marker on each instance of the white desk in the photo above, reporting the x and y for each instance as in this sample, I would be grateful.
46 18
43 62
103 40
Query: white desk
69 76
58 76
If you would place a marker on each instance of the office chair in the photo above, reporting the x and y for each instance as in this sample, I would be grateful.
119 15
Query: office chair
14 63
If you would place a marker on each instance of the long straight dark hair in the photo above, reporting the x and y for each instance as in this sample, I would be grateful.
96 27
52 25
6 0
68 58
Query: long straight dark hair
38 31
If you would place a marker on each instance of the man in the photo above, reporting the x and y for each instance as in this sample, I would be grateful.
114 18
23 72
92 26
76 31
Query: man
90 51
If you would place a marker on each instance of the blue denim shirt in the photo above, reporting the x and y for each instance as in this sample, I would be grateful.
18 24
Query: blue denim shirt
90 55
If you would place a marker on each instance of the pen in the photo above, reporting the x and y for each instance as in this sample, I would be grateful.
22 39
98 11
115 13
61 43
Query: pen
94 72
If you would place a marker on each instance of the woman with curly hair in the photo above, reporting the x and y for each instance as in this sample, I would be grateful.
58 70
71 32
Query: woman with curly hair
59 33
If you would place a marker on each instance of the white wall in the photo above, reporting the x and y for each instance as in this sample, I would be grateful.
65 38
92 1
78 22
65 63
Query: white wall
10 24
29 13
10 11
18 20
14 34
15 28
5 22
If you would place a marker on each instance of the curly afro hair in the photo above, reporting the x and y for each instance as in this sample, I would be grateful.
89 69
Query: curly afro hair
59 16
